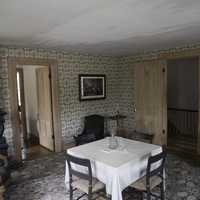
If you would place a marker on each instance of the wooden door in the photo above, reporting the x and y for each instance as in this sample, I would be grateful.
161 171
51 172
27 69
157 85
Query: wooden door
150 99
44 108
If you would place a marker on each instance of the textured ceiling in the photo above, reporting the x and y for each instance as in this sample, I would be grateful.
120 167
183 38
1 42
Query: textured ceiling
105 27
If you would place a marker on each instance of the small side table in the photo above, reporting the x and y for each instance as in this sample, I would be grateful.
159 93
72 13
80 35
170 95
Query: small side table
117 117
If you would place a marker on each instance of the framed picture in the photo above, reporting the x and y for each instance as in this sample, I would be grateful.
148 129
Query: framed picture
92 87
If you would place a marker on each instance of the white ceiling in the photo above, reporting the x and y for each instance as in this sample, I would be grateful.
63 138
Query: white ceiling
105 27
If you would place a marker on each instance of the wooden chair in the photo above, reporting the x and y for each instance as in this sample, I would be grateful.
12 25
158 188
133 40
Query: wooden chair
82 181
93 130
153 177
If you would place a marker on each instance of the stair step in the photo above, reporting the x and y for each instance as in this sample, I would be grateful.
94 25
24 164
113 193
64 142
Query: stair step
183 139
183 146
182 142
183 151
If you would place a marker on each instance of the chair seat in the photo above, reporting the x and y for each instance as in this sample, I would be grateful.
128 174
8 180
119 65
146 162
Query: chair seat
141 183
83 185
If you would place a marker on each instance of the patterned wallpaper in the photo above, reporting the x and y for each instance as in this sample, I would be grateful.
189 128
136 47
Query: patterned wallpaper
69 67
119 72
187 50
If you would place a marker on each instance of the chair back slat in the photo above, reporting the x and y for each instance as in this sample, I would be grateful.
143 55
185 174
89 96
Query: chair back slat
80 175
159 169
81 162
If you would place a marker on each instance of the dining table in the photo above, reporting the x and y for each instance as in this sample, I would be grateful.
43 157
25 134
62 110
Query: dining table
116 168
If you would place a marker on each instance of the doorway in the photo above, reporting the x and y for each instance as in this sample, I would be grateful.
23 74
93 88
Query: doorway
35 110
182 98
51 65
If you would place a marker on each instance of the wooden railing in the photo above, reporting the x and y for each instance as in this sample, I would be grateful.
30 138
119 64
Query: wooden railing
183 121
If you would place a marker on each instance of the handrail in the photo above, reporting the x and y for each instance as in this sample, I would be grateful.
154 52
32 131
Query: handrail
183 121
181 109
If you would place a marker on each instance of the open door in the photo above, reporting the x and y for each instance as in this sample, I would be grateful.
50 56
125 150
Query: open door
45 126
150 99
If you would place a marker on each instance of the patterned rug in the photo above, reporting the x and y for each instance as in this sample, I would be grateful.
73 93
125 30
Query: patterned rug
43 179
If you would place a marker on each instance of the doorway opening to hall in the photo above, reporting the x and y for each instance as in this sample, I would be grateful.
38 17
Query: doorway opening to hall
182 100
34 101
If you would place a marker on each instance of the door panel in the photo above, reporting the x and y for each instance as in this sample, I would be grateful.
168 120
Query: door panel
150 99
44 108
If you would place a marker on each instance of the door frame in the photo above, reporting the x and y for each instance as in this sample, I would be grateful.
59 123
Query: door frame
195 55
53 67
172 56
198 136
23 104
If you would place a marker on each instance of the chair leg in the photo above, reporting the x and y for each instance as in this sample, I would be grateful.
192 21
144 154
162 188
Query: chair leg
162 191
71 193
148 195
142 195
90 193
89 196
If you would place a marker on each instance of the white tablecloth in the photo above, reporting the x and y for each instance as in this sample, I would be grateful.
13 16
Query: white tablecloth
117 169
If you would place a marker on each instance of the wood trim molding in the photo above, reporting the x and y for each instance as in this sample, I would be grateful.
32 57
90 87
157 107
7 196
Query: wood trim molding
23 109
198 136
167 55
52 64
12 86
179 55
55 107
32 61
164 106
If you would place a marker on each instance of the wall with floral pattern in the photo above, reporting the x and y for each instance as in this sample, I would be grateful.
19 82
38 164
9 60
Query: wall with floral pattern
70 66
119 73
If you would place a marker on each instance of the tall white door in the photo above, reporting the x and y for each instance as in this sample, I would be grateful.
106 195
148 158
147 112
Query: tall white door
44 108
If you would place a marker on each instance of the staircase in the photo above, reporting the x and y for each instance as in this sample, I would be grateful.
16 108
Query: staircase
182 130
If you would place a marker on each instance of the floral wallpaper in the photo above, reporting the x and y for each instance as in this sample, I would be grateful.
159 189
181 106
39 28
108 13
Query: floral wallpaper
119 73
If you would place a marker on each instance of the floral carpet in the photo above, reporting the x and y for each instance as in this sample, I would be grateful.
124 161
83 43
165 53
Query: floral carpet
43 179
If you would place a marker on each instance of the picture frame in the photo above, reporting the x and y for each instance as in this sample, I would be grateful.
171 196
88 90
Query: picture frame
92 87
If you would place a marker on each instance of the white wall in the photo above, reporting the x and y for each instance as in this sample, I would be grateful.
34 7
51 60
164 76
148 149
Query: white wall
183 83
